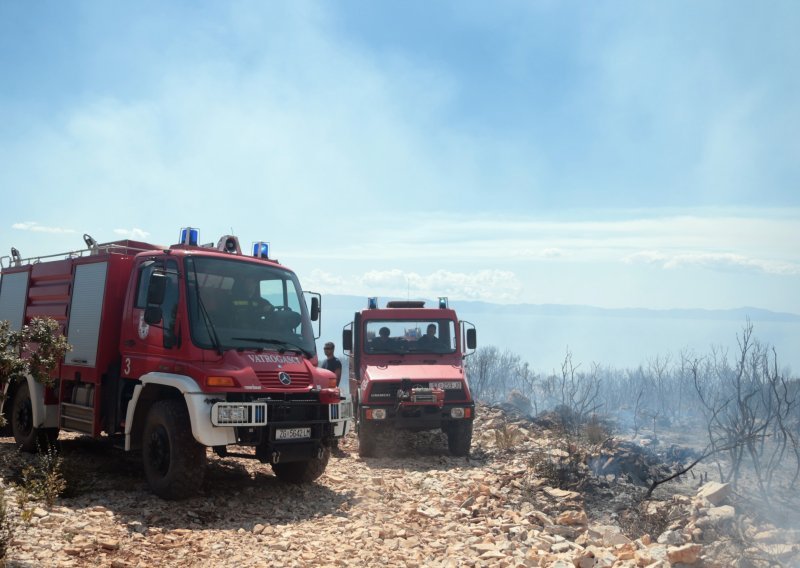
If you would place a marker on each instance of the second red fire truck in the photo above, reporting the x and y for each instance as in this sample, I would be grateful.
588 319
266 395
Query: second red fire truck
407 372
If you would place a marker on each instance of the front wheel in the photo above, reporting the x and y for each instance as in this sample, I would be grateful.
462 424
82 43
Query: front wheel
29 438
174 463
459 438
303 471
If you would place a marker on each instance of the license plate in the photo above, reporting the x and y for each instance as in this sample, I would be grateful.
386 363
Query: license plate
292 433
448 385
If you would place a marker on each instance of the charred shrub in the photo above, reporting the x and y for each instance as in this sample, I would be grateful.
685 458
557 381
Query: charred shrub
644 519
597 429
562 468
566 417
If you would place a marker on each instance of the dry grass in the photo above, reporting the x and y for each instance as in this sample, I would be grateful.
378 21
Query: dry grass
506 438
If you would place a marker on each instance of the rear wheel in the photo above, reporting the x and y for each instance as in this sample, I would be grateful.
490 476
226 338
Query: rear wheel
302 471
26 436
174 463
459 438
367 442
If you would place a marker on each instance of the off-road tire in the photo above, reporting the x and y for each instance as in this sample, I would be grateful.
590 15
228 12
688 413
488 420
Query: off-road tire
174 463
459 438
28 438
302 471
367 441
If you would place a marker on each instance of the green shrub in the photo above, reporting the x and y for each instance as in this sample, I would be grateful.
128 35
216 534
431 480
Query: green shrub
44 479
6 531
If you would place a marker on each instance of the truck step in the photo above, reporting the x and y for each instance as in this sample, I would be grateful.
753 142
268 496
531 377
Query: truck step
77 417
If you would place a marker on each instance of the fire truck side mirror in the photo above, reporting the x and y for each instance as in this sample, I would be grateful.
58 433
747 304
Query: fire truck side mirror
314 308
152 315
472 340
156 289
347 339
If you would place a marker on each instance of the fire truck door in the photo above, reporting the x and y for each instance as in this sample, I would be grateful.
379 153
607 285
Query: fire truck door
151 346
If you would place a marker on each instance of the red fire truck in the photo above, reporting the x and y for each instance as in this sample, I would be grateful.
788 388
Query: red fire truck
174 350
407 372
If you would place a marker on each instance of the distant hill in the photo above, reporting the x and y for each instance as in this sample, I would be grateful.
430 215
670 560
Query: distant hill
628 337
739 314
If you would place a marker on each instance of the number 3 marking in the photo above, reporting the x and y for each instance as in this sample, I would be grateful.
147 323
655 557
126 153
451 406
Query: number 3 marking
127 370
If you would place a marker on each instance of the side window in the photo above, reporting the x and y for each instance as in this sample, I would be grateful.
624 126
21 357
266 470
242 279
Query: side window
145 271
293 298
272 291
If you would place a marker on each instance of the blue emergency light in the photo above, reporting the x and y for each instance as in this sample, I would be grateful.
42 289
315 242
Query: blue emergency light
261 250
372 303
442 302
190 236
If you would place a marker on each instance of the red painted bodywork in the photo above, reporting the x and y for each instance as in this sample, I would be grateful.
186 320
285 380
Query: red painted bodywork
367 370
120 350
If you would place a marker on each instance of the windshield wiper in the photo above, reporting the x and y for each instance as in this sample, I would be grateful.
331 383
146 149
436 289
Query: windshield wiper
283 345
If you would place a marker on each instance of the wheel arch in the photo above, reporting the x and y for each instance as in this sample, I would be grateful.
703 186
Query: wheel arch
38 408
144 396
160 386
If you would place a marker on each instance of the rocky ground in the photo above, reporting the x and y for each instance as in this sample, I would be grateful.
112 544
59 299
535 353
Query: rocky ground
412 506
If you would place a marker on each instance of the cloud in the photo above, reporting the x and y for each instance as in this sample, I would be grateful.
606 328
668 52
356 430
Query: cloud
37 228
552 253
133 233
504 243
490 285
322 280
487 285
712 261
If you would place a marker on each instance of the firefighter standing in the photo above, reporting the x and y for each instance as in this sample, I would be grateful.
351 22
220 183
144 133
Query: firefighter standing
332 363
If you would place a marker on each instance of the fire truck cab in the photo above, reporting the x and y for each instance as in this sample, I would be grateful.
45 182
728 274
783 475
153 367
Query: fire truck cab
175 350
407 372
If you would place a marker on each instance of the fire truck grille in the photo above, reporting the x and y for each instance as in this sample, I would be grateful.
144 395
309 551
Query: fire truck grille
272 380
387 392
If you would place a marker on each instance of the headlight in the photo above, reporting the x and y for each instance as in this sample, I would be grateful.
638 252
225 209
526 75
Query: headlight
231 414
376 414
239 414
456 413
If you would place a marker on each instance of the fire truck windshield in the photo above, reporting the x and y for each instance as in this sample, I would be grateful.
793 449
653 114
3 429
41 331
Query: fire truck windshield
410 336
243 305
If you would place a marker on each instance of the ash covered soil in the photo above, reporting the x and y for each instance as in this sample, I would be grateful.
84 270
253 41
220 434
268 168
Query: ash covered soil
525 497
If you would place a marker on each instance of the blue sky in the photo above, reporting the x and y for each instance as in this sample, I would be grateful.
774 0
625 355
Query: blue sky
622 154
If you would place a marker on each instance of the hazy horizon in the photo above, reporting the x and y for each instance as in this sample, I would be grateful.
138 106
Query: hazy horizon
621 339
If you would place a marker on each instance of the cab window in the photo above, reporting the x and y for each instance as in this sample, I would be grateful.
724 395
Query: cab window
145 272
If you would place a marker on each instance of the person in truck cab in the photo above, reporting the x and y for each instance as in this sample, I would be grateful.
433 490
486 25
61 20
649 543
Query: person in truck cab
248 305
429 339
382 342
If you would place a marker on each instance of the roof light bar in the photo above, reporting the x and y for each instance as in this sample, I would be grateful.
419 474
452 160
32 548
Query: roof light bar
442 302
261 249
372 303
189 236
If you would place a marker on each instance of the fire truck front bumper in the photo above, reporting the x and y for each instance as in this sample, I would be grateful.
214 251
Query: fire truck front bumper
417 416
253 423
